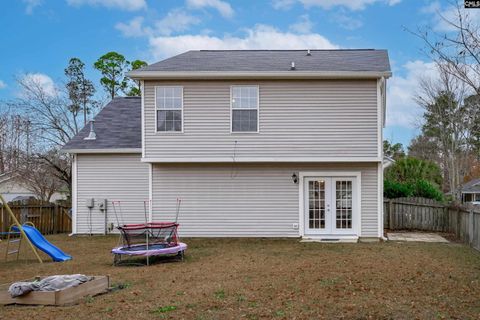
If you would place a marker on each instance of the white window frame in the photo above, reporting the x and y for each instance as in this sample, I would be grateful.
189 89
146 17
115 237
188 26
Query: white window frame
156 109
257 109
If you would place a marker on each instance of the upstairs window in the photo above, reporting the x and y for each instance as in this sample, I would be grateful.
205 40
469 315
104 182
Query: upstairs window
244 108
169 105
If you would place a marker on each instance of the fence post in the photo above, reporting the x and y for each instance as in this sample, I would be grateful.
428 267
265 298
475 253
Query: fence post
4 221
446 219
55 219
459 224
390 214
470 226
24 212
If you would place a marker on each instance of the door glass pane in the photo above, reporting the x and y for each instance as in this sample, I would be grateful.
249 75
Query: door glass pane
343 204
316 204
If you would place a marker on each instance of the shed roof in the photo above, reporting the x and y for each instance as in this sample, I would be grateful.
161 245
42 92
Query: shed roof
117 126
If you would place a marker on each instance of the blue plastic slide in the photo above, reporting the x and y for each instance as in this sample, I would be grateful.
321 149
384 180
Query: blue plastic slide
41 243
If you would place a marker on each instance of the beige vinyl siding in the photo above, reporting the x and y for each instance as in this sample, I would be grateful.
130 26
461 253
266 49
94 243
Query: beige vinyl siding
114 177
315 118
247 199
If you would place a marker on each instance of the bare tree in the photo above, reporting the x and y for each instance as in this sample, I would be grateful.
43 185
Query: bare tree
53 120
424 148
55 117
40 178
60 167
450 122
14 139
456 53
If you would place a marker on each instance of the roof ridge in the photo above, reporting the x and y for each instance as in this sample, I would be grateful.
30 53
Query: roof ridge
283 50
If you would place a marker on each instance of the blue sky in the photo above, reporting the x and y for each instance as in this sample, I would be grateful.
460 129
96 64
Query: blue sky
40 36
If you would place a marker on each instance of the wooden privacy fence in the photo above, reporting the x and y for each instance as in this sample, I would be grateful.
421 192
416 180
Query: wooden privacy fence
47 217
430 215
415 213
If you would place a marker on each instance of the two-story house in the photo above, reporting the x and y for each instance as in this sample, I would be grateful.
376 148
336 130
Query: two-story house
256 143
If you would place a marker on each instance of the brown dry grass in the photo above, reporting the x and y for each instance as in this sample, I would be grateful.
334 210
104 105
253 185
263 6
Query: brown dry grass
261 279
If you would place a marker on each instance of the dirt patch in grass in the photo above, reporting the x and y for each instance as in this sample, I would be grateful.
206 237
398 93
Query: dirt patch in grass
258 279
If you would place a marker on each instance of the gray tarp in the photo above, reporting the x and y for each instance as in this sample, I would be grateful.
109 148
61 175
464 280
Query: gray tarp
51 283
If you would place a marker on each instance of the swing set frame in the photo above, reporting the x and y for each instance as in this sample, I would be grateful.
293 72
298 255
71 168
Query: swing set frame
23 235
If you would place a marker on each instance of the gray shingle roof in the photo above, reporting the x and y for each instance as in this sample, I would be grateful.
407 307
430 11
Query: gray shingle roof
472 186
117 125
275 60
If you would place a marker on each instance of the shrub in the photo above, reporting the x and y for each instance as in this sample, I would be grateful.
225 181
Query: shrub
411 177
426 189
393 189
410 170
421 188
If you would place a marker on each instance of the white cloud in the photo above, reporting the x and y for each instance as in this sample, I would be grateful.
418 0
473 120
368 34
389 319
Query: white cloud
40 80
259 37
432 7
176 20
346 21
31 5
328 4
402 110
2 84
440 15
133 28
128 5
224 8
305 25
283 4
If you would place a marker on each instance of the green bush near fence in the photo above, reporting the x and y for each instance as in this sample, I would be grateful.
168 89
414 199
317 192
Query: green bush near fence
427 190
411 170
411 177
393 189
420 188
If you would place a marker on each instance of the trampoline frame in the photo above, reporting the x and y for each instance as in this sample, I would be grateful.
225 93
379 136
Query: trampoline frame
172 246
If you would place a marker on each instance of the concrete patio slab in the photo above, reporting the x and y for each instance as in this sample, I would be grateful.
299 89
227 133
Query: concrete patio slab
415 236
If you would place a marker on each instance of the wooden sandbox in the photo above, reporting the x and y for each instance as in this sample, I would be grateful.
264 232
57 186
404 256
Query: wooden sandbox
68 296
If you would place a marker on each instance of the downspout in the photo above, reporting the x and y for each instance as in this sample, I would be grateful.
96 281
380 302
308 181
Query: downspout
105 208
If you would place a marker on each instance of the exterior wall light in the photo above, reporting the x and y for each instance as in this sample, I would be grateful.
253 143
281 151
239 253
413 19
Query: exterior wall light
295 178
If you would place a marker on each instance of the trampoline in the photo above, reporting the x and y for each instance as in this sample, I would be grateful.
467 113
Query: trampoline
150 239
152 250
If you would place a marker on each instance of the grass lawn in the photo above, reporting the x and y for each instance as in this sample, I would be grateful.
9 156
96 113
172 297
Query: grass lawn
259 279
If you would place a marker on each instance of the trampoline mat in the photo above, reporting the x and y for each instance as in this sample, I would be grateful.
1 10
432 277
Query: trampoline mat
142 247
153 249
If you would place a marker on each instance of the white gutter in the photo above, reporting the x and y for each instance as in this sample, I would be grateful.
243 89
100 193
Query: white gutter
259 159
204 75
113 150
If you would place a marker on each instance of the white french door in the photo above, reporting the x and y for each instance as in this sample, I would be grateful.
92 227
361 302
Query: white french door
330 205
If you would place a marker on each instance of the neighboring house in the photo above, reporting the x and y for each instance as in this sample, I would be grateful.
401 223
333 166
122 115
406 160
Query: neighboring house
471 192
387 162
256 143
13 189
